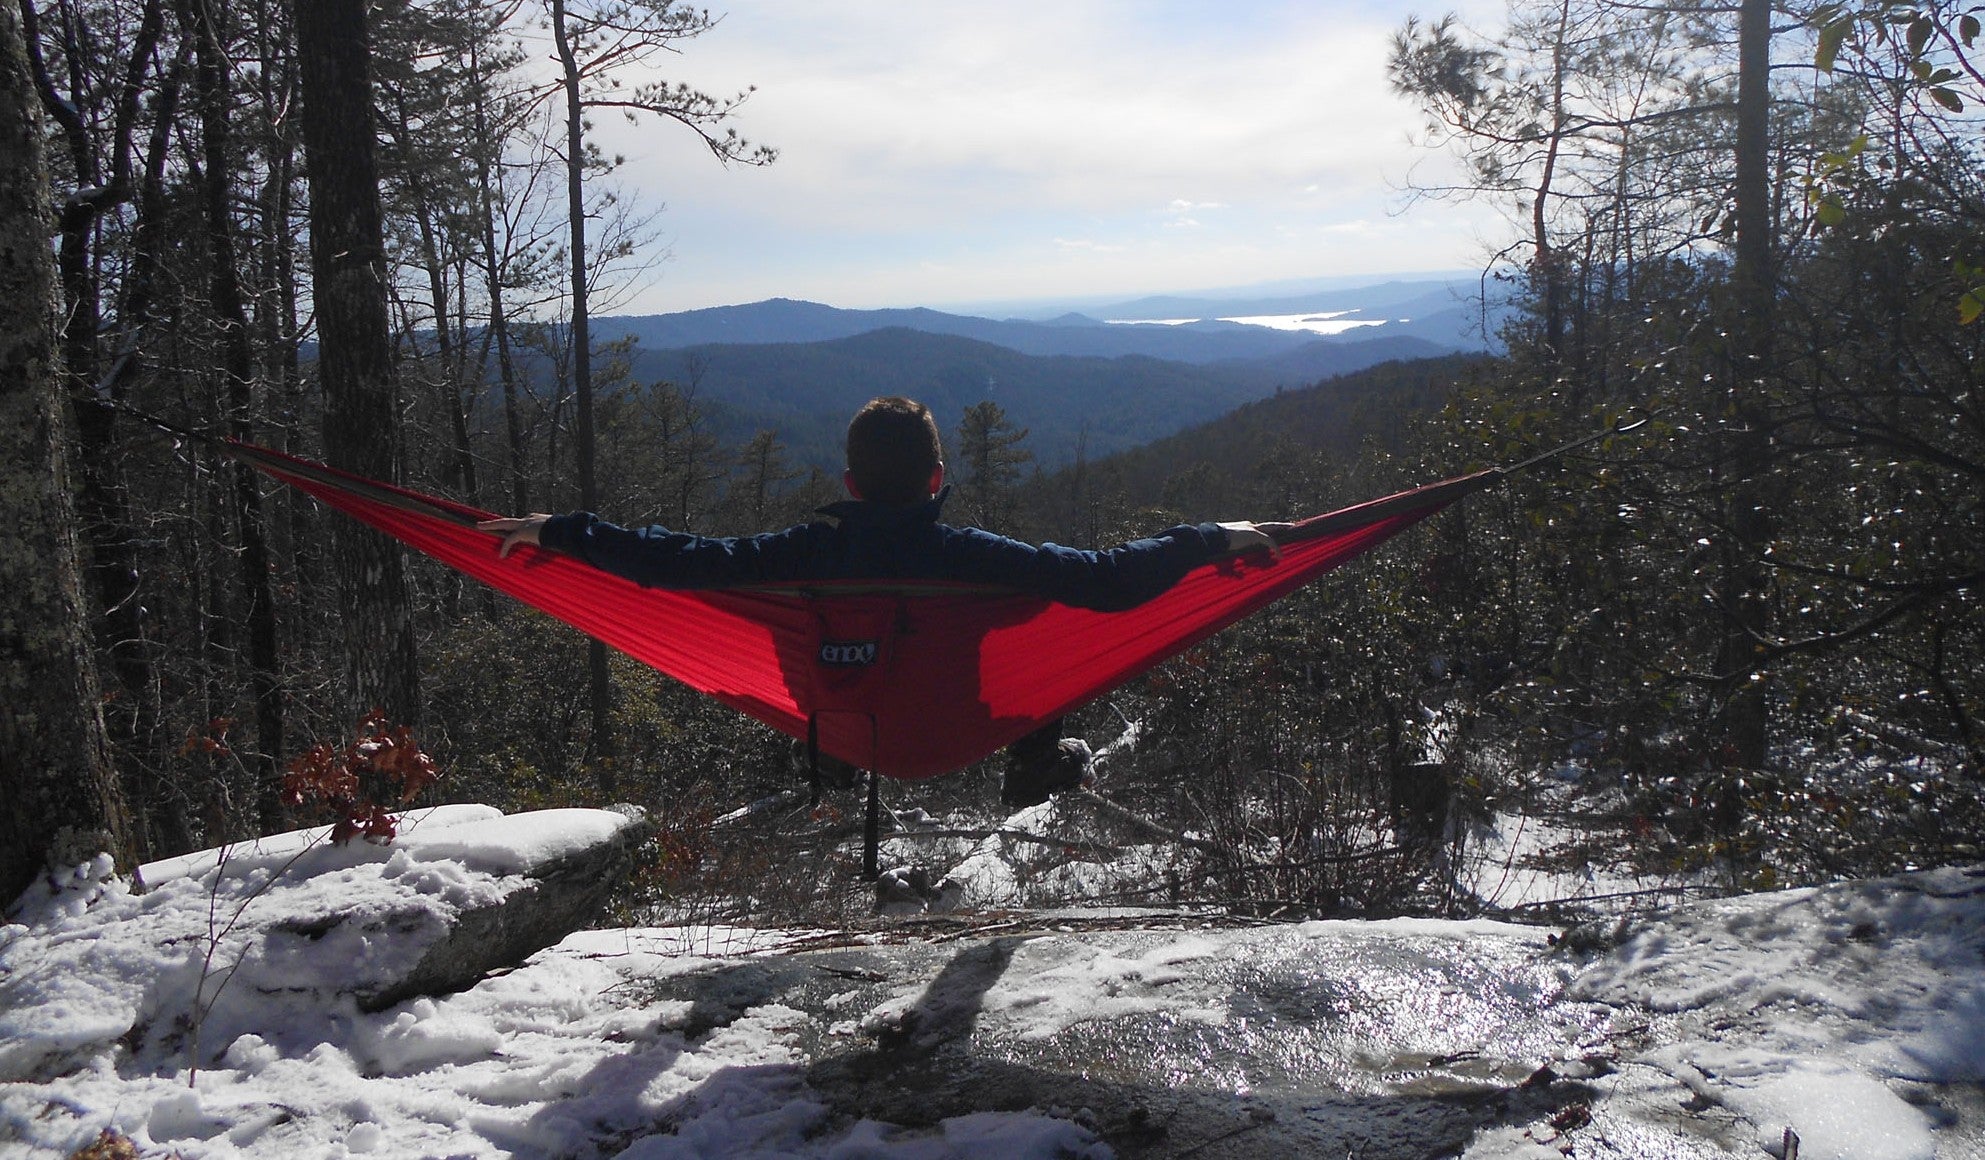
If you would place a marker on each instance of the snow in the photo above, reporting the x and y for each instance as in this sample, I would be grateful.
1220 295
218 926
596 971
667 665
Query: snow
1499 866
1840 1113
1853 1014
1065 981
1001 871
278 850
1847 989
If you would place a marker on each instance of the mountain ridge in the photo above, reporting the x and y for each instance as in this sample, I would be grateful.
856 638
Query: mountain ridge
1445 313
806 391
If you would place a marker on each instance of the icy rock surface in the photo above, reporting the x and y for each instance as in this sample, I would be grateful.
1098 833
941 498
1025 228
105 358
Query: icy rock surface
1325 1039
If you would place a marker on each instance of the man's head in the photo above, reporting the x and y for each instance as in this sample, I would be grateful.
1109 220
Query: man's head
894 453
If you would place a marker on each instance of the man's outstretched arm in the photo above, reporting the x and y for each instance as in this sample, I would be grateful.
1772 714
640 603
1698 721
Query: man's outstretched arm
656 557
1110 579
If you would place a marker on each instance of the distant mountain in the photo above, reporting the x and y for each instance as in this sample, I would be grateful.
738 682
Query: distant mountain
1105 381
1380 300
783 320
1445 314
1091 304
1326 358
807 390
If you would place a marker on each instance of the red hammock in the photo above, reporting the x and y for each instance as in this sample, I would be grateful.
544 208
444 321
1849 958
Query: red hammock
910 680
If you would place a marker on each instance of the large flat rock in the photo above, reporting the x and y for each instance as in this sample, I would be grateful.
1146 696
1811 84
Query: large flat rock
288 931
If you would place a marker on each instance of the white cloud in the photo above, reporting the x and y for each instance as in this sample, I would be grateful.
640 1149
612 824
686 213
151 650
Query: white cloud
1181 212
928 147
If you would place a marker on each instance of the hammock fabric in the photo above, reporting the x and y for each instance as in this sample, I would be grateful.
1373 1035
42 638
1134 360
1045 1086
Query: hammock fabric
910 680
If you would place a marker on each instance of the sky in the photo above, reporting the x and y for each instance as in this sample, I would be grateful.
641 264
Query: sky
945 153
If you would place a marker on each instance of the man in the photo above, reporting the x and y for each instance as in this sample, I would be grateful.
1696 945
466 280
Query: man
890 530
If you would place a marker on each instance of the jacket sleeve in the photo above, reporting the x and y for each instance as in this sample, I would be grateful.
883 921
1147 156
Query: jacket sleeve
656 557
1110 580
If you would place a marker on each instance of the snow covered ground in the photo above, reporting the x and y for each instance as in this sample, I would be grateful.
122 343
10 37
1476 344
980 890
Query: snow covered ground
1853 1015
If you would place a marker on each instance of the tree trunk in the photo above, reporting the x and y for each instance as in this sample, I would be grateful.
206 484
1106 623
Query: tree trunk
355 352
600 747
112 566
1547 266
276 306
161 824
238 372
63 800
499 323
1753 174
1745 725
458 473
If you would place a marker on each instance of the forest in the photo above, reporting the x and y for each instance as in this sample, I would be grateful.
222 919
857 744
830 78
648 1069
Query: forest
371 235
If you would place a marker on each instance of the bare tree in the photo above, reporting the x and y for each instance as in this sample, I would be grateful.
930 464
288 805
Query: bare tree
763 475
601 43
1602 123
213 93
99 114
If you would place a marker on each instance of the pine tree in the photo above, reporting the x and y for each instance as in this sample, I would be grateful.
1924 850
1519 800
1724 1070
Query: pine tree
990 456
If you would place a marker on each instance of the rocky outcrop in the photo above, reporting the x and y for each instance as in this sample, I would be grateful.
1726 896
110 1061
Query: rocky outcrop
277 940
563 893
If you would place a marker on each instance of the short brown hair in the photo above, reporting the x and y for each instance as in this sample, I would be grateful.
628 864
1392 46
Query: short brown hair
893 447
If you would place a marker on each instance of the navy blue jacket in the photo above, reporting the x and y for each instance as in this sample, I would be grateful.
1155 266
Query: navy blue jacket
870 541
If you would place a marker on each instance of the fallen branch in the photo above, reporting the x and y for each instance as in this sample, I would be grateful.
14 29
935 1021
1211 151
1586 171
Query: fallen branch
1016 835
1138 821
1614 897
762 805
1306 863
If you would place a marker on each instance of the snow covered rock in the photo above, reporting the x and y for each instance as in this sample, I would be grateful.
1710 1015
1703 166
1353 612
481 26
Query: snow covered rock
291 932
1852 1014
569 867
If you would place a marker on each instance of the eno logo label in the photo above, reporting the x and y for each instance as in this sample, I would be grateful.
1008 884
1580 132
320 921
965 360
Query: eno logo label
848 653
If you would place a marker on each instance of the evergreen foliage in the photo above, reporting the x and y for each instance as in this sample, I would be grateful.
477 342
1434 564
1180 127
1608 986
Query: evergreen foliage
987 457
1779 577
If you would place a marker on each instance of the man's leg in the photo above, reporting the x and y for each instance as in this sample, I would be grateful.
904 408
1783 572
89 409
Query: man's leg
1041 764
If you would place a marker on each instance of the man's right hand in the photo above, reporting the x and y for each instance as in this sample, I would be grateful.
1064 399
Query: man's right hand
515 530
1244 537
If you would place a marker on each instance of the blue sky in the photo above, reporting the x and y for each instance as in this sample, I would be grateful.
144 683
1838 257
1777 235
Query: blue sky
948 153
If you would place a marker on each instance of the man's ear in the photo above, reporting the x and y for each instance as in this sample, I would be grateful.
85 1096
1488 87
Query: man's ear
937 479
848 481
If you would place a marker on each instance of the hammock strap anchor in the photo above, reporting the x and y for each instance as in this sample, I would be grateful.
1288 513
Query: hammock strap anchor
872 830
813 760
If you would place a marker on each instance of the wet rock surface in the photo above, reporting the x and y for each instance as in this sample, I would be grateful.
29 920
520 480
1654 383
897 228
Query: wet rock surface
1306 1040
